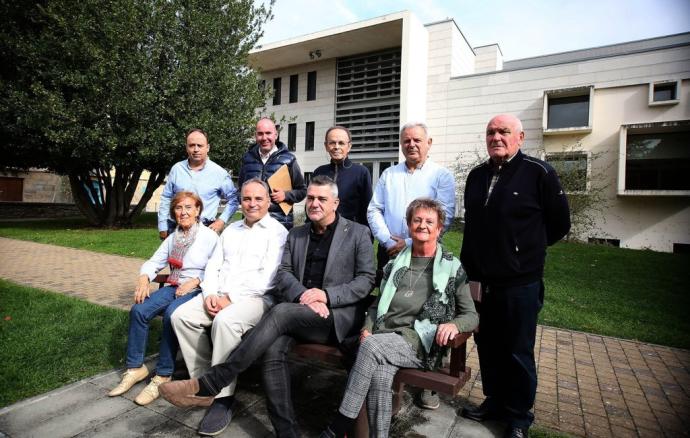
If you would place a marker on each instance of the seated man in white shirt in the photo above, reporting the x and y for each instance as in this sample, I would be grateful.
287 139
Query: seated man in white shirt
237 275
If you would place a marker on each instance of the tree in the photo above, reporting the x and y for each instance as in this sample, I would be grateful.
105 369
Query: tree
102 91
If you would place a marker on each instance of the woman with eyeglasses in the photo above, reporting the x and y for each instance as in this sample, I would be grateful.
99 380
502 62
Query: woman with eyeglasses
186 251
422 305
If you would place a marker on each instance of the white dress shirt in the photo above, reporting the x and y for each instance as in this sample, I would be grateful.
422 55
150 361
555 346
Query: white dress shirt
246 260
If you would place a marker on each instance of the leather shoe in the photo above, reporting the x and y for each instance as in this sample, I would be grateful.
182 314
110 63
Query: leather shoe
181 393
516 432
484 412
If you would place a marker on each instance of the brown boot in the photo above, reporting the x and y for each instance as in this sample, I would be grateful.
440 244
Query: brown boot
181 393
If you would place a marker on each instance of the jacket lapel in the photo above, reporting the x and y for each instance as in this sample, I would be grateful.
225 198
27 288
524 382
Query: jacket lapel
339 235
301 246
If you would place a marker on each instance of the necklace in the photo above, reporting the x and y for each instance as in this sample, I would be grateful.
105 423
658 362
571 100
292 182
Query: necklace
410 291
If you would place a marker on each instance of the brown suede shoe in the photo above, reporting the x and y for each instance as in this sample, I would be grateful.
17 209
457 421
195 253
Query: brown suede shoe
181 393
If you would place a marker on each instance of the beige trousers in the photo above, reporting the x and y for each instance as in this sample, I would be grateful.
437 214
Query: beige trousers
190 322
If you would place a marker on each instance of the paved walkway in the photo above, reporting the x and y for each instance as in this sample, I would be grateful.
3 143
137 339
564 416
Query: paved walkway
589 385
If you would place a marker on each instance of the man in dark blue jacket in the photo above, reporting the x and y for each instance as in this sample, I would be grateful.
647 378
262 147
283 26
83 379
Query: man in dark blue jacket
514 208
263 159
353 179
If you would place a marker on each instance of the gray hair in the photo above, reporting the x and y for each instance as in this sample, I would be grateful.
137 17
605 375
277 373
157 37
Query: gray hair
410 125
323 180
256 180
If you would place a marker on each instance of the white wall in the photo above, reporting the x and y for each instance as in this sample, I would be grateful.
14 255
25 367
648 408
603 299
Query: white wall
320 111
459 110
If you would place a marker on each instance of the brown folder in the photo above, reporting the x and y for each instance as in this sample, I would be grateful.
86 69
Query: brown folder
281 180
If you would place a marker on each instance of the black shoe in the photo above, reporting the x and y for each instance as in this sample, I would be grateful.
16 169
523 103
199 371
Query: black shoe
486 411
327 433
516 432
216 420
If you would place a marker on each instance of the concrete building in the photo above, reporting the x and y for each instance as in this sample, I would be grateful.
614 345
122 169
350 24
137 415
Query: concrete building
616 116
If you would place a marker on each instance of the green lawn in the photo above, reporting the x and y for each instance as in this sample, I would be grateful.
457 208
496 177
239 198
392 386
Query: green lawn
631 294
617 292
48 340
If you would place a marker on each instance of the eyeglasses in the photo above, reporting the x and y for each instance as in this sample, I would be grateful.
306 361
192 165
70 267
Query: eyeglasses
188 208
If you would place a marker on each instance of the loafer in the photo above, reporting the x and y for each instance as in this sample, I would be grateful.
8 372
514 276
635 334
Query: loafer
129 378
484 412
216 420
150 393
516 432
181 393
428 400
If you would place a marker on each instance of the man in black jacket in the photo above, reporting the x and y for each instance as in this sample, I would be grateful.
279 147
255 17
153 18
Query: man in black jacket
514 208
353 179
263 159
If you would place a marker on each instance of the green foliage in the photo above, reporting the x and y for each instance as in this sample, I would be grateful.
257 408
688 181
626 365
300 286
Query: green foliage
49 340
102 91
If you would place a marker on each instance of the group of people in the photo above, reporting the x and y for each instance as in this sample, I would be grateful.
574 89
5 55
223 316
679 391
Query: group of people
262 285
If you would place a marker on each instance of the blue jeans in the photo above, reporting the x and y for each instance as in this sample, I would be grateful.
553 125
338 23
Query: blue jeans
162 301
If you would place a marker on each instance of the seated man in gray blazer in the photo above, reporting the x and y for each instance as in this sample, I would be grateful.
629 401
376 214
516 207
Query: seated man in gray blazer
326 274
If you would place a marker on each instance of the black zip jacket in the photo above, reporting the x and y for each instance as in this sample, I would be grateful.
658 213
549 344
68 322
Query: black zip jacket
506 235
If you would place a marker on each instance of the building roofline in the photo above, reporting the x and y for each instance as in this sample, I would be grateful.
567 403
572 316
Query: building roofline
335 30
449 19
602 47
583 58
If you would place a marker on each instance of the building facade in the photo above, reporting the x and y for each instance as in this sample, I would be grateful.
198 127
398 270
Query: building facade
616 118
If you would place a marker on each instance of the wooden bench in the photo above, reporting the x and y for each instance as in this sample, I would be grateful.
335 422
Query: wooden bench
448 380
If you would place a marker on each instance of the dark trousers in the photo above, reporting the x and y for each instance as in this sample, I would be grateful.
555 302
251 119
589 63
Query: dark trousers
505 343
381 260
272 339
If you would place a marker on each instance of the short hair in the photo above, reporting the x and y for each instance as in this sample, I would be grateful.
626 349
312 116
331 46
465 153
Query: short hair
426 203
410 125
179 196
323 180
270 120
332 128
256 180
199 130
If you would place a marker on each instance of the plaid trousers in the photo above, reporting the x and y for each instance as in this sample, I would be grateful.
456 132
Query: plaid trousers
378 359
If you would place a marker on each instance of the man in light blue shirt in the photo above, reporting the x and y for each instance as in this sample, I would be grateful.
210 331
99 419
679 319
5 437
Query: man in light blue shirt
202 176
399 185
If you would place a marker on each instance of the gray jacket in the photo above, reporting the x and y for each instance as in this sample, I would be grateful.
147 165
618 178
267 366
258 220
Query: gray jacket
349 275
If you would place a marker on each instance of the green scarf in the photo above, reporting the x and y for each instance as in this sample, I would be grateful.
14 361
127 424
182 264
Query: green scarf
439 308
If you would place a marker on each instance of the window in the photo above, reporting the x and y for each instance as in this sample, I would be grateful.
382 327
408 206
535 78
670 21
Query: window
294 80
262 86
655 157
11 189
292 136
311 85
307 177
604 241
276 91
664 93
568 111
571 168
309 136
367 88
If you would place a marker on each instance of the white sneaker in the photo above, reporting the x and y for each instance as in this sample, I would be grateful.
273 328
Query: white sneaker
130 377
